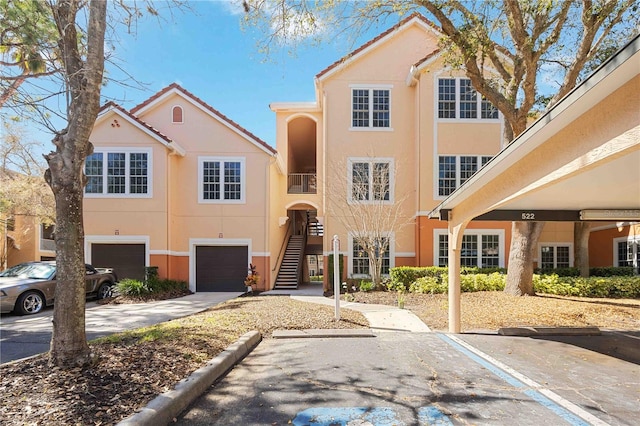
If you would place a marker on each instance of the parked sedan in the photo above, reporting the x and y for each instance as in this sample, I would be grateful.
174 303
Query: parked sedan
28 287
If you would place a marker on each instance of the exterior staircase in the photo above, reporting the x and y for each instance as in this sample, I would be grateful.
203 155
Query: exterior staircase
288 274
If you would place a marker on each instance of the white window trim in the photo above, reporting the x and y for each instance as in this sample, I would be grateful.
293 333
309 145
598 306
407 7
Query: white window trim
501 243
370 87
243 179
436 168
182 110
555 252
127 151
371 161
458 119
392 255
629 239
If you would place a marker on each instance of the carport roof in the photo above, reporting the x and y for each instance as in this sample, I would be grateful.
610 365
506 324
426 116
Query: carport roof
610 181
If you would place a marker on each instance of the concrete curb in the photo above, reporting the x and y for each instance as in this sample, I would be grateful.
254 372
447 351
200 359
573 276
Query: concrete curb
164 408
549 331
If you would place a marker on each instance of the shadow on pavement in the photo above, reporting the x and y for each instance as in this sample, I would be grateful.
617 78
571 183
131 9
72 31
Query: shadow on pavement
622 344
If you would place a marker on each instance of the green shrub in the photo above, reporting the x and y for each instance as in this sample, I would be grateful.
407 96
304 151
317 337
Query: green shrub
315 278
366 286
611 271
482 282
561 272
131 287
403 276
166 285
616 286
428 285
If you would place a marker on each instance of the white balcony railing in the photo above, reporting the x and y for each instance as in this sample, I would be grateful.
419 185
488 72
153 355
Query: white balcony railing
301 183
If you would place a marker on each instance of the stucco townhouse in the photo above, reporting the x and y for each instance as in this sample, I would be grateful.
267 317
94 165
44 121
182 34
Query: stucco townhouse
176 184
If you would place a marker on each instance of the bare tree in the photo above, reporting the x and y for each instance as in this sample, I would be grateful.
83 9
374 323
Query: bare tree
361 197
522 42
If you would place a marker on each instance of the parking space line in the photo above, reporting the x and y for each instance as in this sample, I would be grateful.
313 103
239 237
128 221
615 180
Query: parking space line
549 399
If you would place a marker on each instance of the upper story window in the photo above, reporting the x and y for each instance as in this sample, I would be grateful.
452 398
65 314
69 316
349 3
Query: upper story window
458 99
370 180
177 114
117 173
370 107
221 180
453 171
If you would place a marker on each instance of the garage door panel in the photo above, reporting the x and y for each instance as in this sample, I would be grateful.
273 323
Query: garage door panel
221 268
128 260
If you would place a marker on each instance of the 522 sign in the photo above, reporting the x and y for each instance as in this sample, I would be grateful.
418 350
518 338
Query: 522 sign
528 216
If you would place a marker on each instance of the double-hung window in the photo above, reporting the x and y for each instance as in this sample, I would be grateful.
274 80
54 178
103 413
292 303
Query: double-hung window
481 248
221 180
453 171
371 180
555 256
457 98
370 107
115 173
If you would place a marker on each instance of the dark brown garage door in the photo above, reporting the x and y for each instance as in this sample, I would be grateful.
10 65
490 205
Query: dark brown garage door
221 268
128 260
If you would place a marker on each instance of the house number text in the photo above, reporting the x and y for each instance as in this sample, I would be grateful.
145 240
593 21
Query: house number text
528 216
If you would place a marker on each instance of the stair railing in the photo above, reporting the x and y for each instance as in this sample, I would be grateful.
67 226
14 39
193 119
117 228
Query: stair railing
303 249
285 240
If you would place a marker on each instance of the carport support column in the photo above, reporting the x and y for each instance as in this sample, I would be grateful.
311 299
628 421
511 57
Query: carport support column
455 242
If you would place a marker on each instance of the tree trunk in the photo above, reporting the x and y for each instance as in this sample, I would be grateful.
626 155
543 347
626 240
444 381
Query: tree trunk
69 346
581 232
524 240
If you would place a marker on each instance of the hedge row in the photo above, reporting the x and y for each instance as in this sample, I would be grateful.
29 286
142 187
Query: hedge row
135 288
435 280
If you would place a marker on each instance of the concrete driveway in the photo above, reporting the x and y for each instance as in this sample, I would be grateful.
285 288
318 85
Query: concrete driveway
23 336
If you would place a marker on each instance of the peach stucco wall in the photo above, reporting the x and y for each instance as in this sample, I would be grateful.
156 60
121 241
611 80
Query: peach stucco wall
388 64
601 242
173 219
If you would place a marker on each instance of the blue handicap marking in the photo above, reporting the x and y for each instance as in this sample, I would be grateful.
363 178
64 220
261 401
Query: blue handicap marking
433 416
363 416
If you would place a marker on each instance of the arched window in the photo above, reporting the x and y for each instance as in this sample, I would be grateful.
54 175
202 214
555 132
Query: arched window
176 115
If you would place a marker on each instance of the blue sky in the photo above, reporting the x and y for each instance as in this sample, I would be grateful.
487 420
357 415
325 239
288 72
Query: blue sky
207 53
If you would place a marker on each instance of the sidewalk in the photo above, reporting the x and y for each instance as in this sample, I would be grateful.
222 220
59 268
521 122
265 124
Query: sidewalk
381 317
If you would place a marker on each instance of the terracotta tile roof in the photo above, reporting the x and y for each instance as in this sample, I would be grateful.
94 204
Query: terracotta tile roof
376 39
206 106
114 105
426 58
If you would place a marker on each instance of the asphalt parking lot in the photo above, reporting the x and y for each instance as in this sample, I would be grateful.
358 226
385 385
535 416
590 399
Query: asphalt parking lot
421 379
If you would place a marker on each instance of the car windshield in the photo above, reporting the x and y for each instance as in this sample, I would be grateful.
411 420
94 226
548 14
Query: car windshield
41 271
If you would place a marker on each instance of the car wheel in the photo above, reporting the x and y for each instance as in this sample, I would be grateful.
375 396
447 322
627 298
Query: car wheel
29 303
105 290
